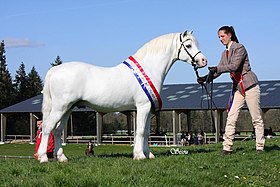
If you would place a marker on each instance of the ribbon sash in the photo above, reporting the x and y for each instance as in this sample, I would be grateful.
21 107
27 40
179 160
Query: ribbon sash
145 83
237 78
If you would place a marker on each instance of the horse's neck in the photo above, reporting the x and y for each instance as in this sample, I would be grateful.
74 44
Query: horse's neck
157 66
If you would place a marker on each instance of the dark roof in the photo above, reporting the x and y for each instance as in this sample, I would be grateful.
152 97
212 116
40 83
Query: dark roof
34 105
191 96
179 97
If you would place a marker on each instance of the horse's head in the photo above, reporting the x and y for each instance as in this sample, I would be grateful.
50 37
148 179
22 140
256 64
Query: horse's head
189 52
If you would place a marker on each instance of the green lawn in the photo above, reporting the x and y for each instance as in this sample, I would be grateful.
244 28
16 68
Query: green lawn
114 166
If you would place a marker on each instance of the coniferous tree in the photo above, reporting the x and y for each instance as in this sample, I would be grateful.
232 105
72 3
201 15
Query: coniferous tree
34 83
20 84
57 61
6 85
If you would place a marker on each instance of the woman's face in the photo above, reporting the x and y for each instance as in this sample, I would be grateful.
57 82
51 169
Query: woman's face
39 123
224 37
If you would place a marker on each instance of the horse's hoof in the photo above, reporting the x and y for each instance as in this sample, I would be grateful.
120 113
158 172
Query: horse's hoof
139 156
43 159
62 158
151 156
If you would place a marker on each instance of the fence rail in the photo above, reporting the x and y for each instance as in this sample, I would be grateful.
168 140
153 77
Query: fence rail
112 139
17 137
126 139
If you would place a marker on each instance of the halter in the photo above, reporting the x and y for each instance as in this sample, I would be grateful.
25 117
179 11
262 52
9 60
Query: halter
192 57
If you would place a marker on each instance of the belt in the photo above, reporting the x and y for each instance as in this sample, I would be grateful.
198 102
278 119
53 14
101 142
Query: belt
252 86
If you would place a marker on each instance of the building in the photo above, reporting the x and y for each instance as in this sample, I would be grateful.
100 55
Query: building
178 98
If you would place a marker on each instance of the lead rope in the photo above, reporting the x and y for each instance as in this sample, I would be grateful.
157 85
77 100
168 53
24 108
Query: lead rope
211 106
210 101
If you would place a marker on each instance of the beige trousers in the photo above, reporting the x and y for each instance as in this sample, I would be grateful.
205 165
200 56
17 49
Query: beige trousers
252 99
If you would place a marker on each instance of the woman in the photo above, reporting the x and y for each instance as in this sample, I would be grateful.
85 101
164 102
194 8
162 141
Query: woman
245 87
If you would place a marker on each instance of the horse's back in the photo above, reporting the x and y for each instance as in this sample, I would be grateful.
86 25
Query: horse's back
73 68
76 71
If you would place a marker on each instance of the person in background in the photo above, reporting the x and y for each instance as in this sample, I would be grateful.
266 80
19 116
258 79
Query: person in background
195 139
245 87
50 149
183 140
200 137
190 138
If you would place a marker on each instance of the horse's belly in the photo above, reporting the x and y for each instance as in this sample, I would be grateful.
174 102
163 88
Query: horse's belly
108 98
110 108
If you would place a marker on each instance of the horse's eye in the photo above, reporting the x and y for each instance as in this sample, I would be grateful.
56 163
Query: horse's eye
188 46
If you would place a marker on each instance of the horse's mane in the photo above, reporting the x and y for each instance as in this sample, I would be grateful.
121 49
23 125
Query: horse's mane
161 44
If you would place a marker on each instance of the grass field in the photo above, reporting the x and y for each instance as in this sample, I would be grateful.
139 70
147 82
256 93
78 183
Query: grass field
114 166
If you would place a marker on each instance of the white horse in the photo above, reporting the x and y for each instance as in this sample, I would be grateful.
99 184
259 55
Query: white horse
133 84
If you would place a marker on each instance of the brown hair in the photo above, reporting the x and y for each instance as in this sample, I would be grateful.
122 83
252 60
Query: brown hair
229 30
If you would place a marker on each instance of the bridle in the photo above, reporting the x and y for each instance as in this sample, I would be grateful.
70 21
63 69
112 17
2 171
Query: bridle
193 62
203 85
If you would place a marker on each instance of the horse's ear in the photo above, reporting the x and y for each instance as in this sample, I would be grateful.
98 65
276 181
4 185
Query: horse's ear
185 33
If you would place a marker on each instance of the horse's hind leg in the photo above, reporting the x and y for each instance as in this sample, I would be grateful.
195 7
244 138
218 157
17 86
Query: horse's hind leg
48 125
42 151
58 151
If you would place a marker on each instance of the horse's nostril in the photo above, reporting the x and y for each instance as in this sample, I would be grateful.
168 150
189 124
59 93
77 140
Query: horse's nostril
204 60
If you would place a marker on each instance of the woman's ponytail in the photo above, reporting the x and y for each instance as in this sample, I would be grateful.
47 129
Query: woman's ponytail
233 35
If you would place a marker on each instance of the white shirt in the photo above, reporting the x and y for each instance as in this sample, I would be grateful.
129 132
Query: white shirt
228 46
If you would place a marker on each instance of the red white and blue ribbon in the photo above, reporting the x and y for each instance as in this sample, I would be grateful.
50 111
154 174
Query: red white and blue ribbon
145 83
231 97
237 78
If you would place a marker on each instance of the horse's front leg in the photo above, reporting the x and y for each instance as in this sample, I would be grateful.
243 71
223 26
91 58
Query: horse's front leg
142 116
58 151
147 130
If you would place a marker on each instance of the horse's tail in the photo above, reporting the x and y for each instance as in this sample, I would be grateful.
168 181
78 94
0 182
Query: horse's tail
47 100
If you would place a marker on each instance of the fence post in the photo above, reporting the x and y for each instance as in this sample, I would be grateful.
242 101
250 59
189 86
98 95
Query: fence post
175 120
217 125
32 121
99 122
3 128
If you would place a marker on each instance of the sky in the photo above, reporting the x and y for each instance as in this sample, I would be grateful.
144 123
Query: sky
106 32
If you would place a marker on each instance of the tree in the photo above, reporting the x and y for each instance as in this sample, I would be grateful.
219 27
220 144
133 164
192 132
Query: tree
57 61
6 85
34 83
21 84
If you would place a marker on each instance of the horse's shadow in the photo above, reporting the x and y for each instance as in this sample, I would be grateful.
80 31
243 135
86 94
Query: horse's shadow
270 148
156 153
114 155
